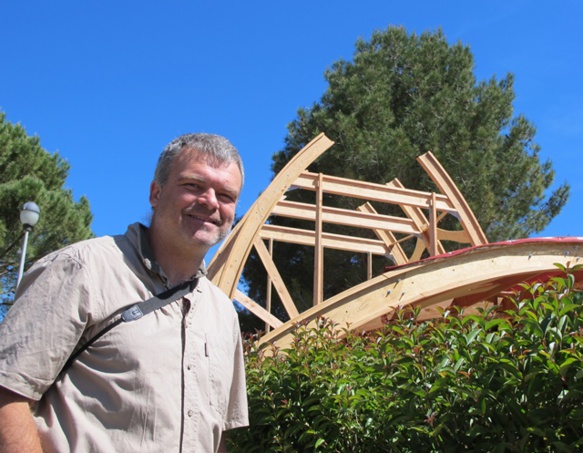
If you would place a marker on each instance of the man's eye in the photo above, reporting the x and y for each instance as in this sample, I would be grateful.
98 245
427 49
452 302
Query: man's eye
226 198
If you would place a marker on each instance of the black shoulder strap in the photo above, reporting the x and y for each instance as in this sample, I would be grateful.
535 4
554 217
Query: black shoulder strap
136 311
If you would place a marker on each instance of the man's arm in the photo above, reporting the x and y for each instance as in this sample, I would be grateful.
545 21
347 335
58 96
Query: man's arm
17 429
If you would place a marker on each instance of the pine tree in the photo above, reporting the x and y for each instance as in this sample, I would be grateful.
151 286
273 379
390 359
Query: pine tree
402 95
29 173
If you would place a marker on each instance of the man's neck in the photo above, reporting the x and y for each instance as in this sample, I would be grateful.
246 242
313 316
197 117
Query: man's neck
178 265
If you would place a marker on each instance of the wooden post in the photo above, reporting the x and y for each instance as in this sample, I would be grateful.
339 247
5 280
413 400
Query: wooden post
318 249
432 226
268 294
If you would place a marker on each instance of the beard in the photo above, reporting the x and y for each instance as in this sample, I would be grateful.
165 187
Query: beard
206 228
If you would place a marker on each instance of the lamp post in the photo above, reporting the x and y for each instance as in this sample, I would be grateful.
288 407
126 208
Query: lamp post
29 215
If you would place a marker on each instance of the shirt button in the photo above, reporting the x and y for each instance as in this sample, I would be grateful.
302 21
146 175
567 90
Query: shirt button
190 413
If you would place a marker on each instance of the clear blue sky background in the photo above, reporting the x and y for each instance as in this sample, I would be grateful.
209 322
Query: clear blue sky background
107 84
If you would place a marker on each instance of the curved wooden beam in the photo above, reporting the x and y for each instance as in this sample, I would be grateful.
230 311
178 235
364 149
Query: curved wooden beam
479 272
440 177
226 267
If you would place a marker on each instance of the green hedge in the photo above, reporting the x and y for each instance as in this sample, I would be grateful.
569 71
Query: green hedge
491 381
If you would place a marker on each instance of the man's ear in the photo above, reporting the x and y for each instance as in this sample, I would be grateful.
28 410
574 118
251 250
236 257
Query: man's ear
155 191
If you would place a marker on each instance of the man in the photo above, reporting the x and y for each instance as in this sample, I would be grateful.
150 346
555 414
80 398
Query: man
168 382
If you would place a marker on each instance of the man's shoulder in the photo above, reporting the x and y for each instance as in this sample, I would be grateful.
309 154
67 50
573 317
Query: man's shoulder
98 248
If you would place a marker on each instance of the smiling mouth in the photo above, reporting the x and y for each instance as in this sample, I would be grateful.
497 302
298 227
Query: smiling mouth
204 219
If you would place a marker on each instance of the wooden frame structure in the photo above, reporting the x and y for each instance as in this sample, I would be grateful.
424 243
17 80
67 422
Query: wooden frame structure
477 275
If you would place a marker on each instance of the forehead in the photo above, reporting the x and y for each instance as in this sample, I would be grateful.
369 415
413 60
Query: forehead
191 161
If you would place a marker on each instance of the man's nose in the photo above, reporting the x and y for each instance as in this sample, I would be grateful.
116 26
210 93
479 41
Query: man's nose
209 199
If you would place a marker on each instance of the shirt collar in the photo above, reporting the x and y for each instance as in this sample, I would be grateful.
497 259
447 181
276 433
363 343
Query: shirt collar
137 234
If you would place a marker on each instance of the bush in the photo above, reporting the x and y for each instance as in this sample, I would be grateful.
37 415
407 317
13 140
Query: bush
486 381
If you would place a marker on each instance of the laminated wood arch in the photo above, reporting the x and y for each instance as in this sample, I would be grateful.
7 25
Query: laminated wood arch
428 276
473 276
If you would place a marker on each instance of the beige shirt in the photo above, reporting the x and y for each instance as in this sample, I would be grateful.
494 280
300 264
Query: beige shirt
171 381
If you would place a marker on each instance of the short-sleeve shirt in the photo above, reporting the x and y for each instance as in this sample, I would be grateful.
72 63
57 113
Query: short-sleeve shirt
171 381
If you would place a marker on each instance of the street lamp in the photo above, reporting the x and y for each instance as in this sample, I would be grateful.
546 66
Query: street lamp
29 215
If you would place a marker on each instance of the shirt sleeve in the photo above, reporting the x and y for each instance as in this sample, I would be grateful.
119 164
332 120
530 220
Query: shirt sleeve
44 325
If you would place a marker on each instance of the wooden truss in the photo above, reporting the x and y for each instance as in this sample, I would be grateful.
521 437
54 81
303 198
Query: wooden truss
428 277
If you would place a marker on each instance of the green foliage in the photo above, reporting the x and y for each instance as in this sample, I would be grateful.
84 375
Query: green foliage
485 381
401 96
29 173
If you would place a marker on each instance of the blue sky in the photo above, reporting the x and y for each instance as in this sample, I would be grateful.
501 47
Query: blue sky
107 84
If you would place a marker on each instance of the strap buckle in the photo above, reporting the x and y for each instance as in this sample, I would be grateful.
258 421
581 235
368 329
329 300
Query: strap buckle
132 313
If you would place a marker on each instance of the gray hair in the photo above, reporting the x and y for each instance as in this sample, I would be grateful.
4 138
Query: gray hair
215 148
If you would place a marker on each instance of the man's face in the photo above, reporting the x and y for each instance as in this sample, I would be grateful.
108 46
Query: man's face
196 205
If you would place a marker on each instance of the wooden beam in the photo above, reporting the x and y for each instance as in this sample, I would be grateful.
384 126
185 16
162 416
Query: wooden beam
346 217
397 254
329 240
433 249
269 286
318 290
431 282
257 310
420 247
460 236
420 221
440 177
276 279
227 264
371 191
